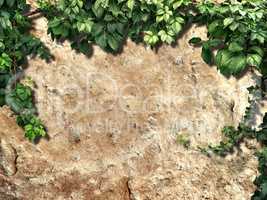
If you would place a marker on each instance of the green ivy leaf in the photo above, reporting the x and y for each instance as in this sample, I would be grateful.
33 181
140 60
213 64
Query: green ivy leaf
54 23
97 29
228 21
254 60
259 37
264 189
1 2
61 30
214 43
235 47
151 38
113 43
176 27
10 3
130 4
98 10
258 50
213 26
5 62
207 55
237 64
33 126
222 57
82 46
234 26
177 4
229 63
195 40
101 40
216 28
166 36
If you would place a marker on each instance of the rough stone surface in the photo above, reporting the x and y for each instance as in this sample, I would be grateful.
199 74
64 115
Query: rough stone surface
113 122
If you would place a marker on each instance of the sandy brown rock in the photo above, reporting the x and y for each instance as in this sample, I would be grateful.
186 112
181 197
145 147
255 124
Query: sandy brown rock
7 158
113 122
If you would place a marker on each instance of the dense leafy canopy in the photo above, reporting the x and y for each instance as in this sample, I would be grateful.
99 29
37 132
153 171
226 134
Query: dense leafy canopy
238 30
108 22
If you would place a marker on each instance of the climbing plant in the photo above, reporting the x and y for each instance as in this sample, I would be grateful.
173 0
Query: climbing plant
108 22
16 43
237 34
238 30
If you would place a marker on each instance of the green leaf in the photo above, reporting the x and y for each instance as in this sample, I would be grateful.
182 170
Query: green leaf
109 18
177 4
120 28
98 10
195 40
264 189
82 46
5 62
101 40
180 20
61 30
228 21
234 26
259 37
54 23
222 57
111 27
254 60
257 50
113 43
216 28
207 55
151 38
230 63
235 47
115 9
1 2
10 3
97 29
166 36
214 43
213 26
176 27
33 126
130 4
238 64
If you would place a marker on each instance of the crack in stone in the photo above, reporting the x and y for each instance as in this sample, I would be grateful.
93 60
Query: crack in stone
129 192
15 160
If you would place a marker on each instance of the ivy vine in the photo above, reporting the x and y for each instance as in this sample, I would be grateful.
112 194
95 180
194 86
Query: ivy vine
16 44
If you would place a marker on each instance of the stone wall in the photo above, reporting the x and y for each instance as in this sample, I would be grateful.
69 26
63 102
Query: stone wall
113 123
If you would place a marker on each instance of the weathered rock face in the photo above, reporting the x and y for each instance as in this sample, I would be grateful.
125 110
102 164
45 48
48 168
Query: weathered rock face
113 122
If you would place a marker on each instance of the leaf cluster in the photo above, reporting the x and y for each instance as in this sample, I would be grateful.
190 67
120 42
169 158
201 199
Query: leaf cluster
237 30
16 44
33 126
20 100
108 22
